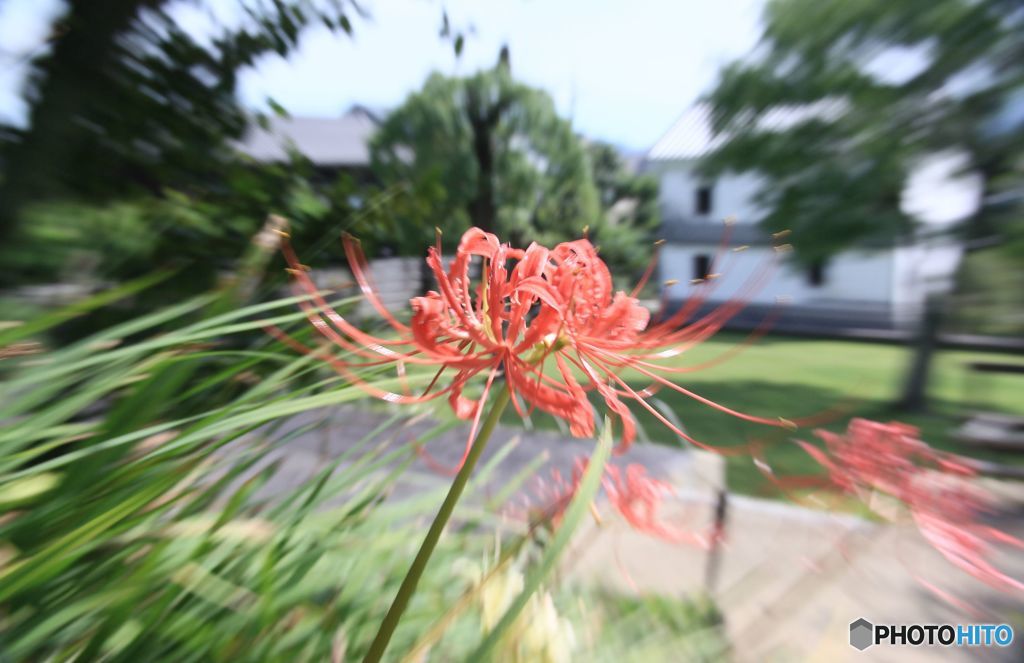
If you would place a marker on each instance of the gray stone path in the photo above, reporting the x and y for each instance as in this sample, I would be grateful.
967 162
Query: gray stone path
790 579
302 456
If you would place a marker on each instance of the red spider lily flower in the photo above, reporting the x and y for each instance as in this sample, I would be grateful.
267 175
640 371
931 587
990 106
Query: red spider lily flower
550 320
948 515
934 486
635 495
889 458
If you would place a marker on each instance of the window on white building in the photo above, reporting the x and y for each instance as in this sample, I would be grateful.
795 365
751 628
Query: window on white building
701 266
702 204
816 273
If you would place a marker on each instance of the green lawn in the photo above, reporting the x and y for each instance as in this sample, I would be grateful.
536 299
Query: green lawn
793 378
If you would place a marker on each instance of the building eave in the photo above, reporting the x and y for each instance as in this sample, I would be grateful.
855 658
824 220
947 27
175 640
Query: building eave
702 232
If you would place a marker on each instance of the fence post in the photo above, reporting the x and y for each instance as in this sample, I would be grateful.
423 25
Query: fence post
717 535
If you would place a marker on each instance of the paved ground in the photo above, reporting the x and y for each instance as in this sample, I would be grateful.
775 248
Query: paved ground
306 453
789 580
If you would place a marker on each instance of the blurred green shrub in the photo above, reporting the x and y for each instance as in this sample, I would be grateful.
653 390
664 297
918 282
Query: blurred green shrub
141 520
990 295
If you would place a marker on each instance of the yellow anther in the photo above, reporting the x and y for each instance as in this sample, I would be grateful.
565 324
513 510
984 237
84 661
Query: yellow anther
781 234
281 233
783 248
786 423
671 282
696 281
713 276
659 242
740 248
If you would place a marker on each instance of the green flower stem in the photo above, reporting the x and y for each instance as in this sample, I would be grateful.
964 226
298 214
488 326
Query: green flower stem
412 577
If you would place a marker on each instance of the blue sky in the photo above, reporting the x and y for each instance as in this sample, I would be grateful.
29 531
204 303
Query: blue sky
621 70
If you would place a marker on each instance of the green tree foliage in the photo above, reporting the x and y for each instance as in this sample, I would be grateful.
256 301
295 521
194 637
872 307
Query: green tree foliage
129 160
151 511
630 211
488 151
127 102
835 169
197 232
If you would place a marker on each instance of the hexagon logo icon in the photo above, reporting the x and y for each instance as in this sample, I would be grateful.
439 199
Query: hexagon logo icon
862 634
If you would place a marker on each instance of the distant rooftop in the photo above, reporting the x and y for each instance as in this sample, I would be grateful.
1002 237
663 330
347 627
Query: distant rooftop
690 136
339 141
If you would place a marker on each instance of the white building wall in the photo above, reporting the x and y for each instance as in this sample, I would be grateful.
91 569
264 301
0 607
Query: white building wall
921 269
893 283
734 196
853 279
731 195
859 276
862 280
677 192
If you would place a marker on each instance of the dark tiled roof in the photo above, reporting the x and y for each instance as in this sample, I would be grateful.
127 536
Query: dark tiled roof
690 136
339 141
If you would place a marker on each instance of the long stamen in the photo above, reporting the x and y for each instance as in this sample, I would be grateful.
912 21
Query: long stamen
360 269
724 451
651 265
